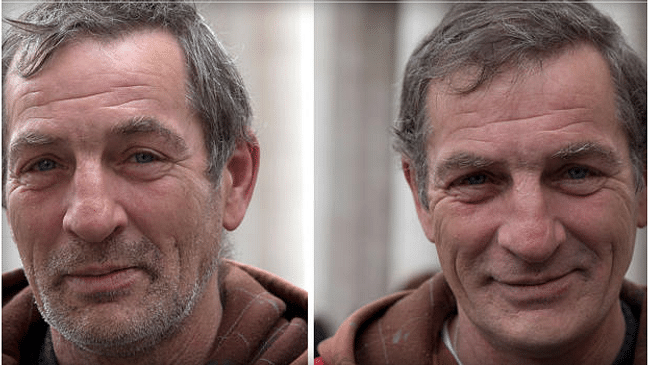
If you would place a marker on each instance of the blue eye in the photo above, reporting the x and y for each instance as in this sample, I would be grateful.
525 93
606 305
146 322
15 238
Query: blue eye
45 165
578 173
143 157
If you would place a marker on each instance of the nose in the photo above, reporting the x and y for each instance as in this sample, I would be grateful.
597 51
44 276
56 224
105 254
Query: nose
93 214
530 230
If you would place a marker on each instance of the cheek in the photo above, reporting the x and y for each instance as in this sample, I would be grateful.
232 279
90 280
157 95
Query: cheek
35 221
605 224
179 218
463 237
166 205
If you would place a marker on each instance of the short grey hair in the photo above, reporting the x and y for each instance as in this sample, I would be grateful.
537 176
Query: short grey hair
215 89
491 38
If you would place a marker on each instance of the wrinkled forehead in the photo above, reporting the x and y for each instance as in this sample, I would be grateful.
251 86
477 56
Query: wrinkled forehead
34 55
577 78
33 51
91 65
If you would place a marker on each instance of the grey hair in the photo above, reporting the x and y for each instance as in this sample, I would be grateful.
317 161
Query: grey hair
491 38
215 89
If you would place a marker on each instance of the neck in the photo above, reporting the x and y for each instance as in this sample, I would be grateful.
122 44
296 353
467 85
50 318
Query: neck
191 344
599 347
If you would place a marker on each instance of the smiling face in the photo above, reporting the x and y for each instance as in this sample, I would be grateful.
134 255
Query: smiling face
533 206
116 223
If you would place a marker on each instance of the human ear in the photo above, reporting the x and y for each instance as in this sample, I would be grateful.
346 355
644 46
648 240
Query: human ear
238 181
424 214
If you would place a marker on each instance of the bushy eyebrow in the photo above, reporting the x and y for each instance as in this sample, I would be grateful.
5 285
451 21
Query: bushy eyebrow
588 149
462 161
131 127
149 125
30 139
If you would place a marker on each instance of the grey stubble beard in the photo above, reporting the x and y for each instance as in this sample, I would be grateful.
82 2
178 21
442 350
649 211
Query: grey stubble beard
158 320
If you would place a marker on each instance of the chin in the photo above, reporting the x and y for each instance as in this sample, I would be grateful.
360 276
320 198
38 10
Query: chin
541 333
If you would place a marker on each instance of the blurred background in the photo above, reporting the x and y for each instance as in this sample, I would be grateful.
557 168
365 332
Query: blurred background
272 45
368 240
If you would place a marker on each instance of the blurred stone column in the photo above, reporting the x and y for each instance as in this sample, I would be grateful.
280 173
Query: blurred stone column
353 112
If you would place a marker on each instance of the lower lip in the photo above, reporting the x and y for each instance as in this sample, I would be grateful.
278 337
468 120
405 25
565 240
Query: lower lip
108 283
541 294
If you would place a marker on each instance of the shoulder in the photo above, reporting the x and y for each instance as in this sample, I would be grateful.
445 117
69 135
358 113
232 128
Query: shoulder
17 295
636 297
402 328
289 293
13 282
264 316
23 329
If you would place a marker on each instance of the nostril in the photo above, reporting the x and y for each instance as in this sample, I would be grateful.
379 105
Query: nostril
559 231
532 240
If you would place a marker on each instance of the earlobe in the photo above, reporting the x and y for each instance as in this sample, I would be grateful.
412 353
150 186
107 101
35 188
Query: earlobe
239 178
424 214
